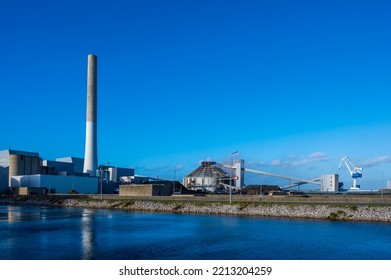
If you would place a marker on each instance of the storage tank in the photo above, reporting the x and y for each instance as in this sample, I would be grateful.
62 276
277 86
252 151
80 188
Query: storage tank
23 165
208 178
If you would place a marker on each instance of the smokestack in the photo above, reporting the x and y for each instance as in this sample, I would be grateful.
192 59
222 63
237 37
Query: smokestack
91 150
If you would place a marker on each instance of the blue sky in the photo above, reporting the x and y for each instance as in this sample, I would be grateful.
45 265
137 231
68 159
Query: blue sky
292 85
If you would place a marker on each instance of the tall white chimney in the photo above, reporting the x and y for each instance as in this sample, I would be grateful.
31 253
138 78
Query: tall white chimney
91 150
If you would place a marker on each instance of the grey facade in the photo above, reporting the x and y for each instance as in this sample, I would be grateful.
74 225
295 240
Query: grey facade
4 171
78 163
146 190
52 167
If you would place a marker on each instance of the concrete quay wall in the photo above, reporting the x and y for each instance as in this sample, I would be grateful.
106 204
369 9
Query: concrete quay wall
317 199
362 212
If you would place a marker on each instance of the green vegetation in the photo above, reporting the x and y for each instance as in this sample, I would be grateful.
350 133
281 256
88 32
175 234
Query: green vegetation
338 215
333 216
73 191
177 207
129 202
242 206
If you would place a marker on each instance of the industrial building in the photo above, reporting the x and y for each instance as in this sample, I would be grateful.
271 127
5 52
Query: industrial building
57 184
13 163
330 183
27 171
155 189
119 174
67 166
210 177
19 169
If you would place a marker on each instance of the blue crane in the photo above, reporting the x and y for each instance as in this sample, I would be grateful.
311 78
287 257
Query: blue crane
355 172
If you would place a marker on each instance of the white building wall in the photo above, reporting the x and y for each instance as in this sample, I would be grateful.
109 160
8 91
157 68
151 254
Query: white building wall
61 184
330 183
239 173
116 173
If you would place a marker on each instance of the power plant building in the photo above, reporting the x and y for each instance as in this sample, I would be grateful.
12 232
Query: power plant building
58 176
25 169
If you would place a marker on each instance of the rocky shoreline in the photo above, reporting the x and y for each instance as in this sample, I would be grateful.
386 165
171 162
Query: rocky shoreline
308 211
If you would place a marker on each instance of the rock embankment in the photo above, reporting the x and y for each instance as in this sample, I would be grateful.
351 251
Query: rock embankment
311 211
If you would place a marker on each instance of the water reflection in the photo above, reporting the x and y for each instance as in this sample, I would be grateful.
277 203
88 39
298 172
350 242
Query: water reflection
43 233
87 234
16 215
13 213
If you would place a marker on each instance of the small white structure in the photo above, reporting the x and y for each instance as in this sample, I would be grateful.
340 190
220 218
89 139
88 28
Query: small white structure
239 173
57 184
117 173
330 183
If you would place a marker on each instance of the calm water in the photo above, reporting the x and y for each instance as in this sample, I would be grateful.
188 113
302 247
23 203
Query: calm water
31 232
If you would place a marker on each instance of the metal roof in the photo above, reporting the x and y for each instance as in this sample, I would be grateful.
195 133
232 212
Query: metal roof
21 153
208 169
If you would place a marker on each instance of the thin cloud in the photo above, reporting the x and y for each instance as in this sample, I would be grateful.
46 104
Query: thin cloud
276 162
202 160
319 156
156 168
376 161
254 163
295 161
179 167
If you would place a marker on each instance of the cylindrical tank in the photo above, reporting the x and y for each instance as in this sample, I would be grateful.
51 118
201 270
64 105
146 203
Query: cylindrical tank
23 165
